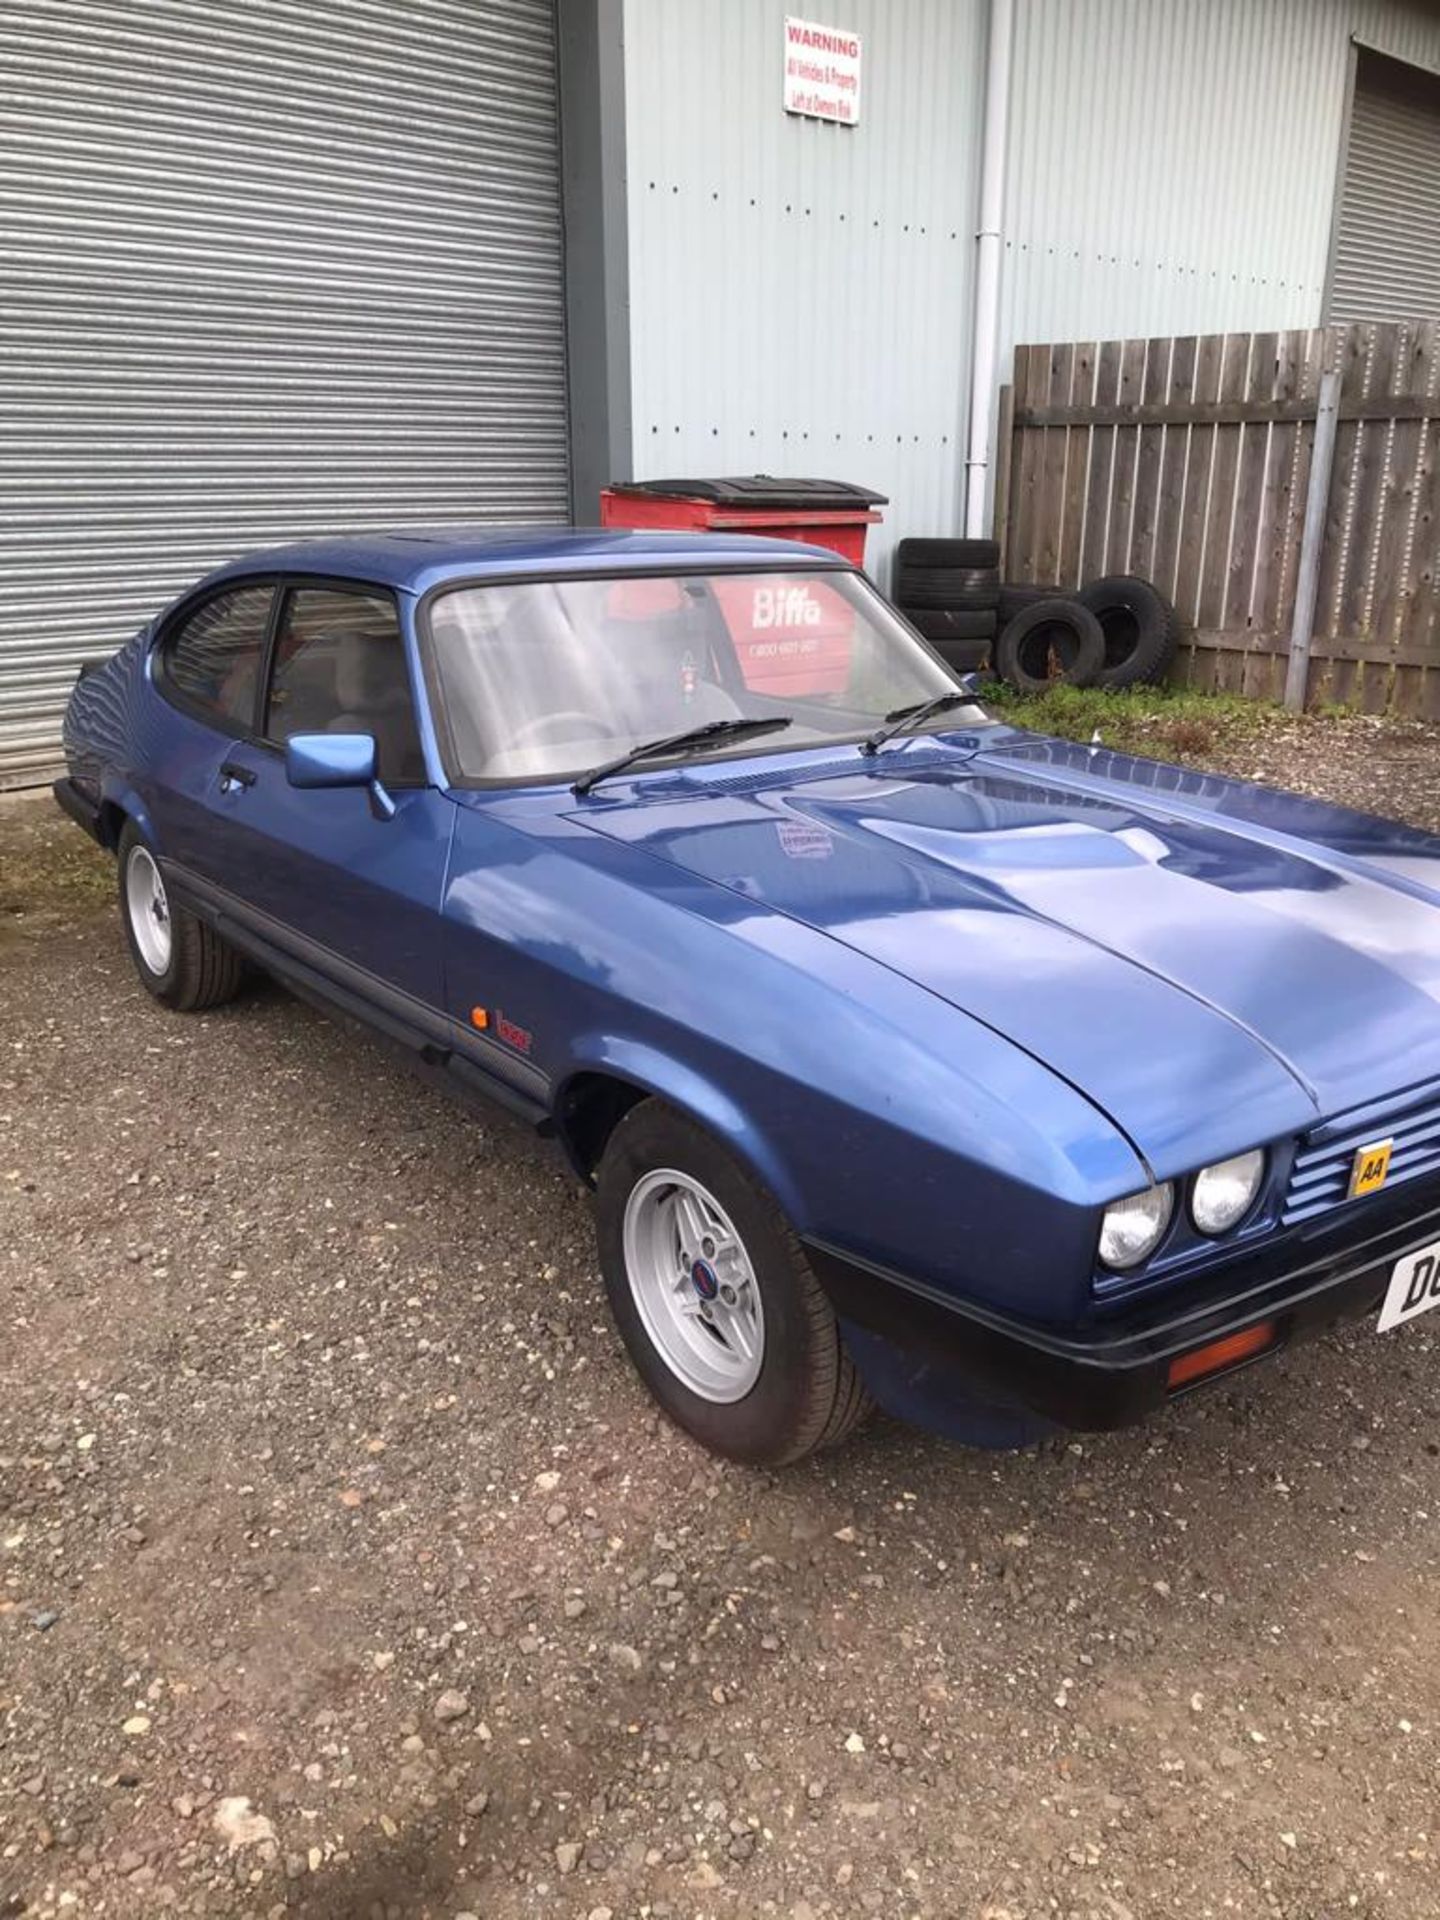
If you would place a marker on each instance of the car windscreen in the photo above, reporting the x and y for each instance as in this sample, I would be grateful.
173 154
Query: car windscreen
539 680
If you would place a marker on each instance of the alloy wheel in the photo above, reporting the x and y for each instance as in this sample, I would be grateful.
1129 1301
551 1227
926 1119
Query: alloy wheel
694 1285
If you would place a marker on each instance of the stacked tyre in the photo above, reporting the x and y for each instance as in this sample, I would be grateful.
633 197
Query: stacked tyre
950 591
1118 631
1138 626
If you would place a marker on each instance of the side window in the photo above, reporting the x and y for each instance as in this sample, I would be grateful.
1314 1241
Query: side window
340 668
213 659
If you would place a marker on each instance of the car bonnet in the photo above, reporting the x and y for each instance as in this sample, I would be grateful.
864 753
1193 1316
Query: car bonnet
1212 965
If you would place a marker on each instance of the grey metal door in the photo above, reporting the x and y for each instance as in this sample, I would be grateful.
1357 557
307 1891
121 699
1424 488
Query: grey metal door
1386 263
267 268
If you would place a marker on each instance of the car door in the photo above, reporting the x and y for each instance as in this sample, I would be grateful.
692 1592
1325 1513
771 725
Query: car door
208 665
321 872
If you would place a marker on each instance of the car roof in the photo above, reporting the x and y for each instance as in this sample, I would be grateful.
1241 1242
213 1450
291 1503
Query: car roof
414 559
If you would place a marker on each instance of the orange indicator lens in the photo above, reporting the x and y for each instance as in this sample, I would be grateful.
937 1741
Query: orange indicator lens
1220 1354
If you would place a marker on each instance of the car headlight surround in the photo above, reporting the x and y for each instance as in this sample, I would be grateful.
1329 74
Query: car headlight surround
1222 1194
1133 1228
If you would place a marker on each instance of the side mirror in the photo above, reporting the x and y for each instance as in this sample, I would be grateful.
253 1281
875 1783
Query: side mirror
337 760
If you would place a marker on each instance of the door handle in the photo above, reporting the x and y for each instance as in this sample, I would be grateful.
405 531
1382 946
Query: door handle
233 775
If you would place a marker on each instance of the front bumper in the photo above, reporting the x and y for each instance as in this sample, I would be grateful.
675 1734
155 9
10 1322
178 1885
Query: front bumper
1112 1371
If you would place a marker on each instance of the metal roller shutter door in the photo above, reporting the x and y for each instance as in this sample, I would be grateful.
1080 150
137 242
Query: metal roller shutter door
267 268
1387 239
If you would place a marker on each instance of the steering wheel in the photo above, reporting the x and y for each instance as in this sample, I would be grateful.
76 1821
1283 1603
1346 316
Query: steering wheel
544 725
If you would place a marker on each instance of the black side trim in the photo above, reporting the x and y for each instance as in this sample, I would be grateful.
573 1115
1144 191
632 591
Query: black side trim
476 1079
477 1064
84 811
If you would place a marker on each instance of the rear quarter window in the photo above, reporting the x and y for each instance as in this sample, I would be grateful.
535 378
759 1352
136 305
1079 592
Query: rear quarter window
211 660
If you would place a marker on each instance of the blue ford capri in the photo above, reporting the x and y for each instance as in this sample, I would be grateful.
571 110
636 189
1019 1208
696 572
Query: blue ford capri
911 1057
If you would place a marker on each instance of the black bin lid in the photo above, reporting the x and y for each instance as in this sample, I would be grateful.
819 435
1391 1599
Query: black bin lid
763 492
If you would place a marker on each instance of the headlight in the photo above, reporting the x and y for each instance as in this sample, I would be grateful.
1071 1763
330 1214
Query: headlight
1224 1194
1133 1228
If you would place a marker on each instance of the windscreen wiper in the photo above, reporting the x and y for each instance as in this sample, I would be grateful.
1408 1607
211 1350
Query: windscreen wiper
911 716
700 736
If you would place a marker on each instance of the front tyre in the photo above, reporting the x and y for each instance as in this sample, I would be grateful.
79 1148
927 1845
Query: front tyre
714 1297
180 960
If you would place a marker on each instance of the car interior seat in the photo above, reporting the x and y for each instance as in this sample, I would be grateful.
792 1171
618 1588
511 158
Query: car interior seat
372 692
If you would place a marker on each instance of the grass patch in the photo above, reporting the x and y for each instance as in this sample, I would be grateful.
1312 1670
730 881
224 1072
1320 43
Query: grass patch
1166 723
49 868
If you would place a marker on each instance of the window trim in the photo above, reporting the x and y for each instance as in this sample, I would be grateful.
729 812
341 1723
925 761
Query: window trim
661 570
179 616
287 585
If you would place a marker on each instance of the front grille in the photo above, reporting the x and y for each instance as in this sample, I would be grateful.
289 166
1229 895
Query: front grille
1320 1178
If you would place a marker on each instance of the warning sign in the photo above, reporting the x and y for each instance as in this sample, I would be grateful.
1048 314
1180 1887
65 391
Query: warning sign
822 72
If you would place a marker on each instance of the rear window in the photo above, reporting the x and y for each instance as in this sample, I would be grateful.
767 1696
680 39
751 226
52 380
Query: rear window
212 659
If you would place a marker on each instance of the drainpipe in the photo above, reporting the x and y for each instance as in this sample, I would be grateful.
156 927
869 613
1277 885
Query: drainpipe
987 264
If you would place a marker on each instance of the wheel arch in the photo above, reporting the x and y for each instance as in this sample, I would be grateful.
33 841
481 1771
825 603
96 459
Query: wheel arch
120 806
592 1100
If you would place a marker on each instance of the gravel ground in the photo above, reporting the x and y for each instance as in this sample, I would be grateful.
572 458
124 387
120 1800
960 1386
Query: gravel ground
347 1571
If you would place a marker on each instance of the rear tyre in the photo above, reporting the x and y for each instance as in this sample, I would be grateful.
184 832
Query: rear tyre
179 959
1053 642
714 1297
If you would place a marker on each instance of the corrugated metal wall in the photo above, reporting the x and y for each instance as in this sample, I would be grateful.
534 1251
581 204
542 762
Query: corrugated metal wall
1173 162
266 269
800 293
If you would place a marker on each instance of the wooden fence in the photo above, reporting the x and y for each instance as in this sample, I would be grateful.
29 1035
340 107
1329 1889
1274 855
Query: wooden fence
1188 460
